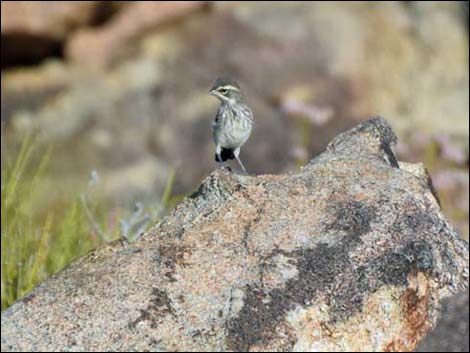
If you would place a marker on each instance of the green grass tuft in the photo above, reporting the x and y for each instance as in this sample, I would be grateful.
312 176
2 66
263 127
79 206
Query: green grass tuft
40 238
37 241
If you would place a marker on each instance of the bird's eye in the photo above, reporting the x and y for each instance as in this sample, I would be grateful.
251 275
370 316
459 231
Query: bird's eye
223 90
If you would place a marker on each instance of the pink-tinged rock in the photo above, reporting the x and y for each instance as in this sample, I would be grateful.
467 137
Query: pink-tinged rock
350 253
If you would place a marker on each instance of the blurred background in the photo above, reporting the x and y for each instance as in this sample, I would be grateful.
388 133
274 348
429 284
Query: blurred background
105 112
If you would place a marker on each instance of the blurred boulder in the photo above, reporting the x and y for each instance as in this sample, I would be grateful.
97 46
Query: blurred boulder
451 332
351 253
147 69
54 19
408 60
99 47
33 30
94 121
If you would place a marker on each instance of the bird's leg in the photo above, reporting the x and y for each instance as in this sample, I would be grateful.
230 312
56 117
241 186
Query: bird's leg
218 151
236 152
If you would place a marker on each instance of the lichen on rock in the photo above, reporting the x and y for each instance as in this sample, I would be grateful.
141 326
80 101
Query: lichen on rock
350 253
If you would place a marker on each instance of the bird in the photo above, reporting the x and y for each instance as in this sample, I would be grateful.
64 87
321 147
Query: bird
233 122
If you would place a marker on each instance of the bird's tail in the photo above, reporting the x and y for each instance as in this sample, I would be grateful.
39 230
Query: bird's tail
225 154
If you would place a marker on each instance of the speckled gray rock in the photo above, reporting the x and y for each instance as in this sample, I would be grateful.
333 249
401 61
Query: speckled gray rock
349 253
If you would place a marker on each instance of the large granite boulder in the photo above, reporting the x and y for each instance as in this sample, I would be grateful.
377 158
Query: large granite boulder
349 253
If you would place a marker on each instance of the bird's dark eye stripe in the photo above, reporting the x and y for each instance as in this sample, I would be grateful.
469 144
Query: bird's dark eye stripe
225 89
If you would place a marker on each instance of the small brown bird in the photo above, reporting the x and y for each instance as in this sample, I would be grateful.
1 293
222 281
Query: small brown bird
233 123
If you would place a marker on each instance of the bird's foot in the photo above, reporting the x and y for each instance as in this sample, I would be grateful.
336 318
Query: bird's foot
224 168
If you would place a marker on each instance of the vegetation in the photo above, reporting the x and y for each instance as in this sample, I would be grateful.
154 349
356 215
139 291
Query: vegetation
40 239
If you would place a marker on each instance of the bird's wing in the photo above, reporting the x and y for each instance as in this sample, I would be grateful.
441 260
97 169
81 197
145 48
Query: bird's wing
218 118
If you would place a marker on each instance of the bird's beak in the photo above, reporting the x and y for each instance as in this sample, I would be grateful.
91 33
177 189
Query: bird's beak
213 92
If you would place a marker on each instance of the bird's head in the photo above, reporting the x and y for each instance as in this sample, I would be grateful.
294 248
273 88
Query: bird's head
226 90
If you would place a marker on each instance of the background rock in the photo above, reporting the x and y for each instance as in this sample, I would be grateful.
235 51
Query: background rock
131 81
350 253
55 20
451 332
34 30
102 46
